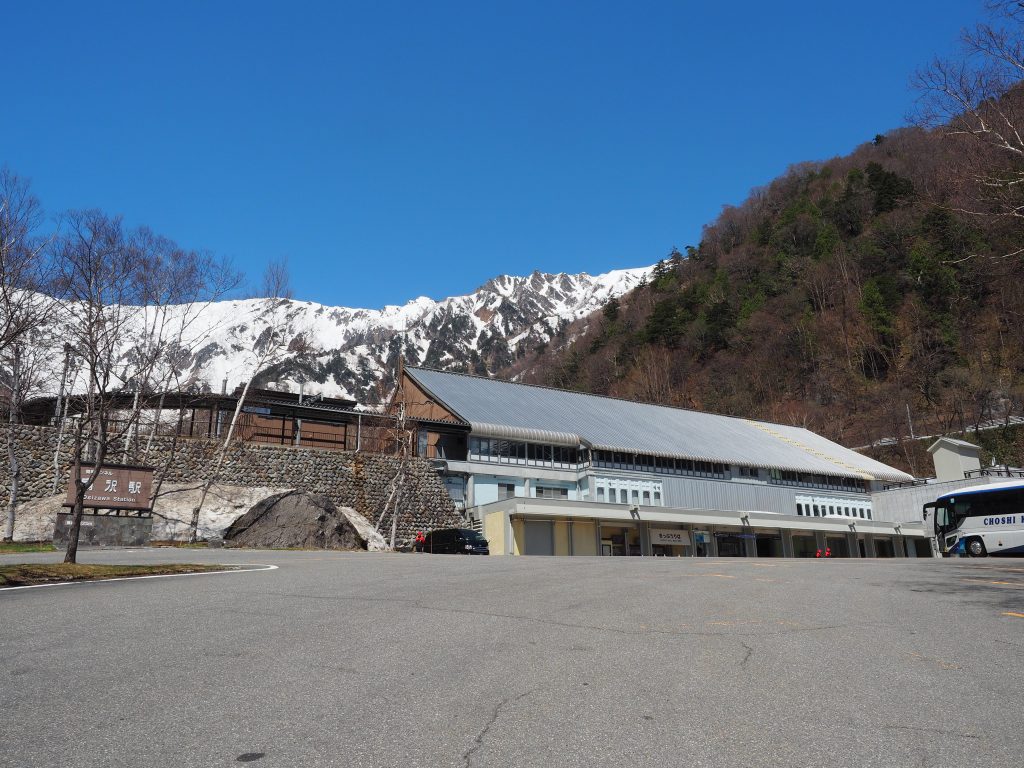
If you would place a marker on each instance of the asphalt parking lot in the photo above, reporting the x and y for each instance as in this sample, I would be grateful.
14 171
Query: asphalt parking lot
419 660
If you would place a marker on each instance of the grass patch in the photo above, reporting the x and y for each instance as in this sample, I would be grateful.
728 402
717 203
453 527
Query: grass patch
26 574
18 547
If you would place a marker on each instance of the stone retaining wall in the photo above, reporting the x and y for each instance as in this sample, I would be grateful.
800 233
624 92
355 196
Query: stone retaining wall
350 479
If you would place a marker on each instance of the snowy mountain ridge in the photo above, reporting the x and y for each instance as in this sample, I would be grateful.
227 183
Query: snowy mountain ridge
353 352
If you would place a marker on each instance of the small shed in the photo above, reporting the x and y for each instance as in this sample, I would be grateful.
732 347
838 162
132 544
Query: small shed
954 458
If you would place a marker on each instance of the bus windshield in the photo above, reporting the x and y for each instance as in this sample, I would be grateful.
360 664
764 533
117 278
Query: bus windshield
943 519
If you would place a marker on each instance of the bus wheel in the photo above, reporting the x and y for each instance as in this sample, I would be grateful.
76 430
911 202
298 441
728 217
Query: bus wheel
976 548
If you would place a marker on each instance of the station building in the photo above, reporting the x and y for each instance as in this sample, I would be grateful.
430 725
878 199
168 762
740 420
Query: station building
542 471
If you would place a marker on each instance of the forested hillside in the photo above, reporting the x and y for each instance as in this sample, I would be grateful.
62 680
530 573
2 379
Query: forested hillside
852 296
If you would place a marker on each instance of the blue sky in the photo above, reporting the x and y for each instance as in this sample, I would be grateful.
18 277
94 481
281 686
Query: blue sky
391 150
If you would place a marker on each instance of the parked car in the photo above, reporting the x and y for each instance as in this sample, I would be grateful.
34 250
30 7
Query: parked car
456 541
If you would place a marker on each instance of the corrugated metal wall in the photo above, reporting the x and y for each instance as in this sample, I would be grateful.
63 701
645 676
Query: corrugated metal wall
695 493
903 505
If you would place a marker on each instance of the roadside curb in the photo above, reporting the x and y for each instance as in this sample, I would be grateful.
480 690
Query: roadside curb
258 567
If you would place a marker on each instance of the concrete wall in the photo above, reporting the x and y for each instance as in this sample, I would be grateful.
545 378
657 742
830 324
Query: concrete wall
561 536
584 538
357 480
494 532
105 531
485 487
518 537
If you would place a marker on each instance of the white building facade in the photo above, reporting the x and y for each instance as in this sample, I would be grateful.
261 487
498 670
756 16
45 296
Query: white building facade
546 471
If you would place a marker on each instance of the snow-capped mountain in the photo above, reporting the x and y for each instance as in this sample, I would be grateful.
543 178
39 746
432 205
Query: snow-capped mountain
353 352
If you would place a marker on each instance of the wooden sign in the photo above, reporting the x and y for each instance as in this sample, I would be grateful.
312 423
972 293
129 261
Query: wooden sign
117 486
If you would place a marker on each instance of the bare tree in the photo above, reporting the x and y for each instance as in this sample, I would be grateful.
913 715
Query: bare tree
973 99
276 342
22 306
401 437
128 300
21 257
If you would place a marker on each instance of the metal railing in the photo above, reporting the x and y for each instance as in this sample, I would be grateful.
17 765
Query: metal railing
994 472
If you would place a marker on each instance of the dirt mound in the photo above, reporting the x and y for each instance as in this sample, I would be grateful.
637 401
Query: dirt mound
294 519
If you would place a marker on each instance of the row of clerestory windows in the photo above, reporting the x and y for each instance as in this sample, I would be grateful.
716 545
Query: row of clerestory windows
527 454
662 465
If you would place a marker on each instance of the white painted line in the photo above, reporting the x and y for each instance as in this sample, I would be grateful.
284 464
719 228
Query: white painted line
132 578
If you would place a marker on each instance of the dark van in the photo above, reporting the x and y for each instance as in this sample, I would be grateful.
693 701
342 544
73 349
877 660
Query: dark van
456 541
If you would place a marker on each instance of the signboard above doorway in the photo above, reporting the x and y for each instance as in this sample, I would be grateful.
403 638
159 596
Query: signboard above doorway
669 537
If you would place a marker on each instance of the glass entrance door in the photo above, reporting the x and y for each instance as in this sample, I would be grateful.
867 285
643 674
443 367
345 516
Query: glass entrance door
702 543
731 545
619 540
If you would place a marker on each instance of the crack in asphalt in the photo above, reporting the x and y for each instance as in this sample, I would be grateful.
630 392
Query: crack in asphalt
1012 645
749 652
495 713
926 729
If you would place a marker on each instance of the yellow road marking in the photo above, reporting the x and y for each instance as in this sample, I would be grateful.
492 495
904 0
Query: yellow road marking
1013 613
988 581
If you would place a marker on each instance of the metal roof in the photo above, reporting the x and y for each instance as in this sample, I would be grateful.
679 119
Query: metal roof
954 442
507 409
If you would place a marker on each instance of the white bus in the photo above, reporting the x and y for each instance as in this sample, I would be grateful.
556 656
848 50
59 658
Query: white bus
980 520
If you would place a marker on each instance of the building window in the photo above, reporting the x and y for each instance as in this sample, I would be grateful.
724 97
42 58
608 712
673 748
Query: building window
623 496
636 497
546 492
506 490
512 452
647 498
800 509
657 498
831 482
600 493
660 464
869 514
